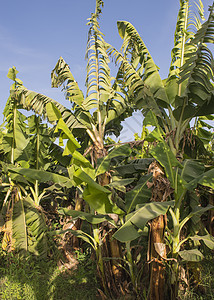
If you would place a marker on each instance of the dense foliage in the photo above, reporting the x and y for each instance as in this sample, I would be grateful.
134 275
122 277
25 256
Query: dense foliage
143 210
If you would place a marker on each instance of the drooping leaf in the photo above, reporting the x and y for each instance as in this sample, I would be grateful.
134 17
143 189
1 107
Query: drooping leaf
96 195
36 228
138 92
53 112
60 75
29 228
91 218
151 120
205 179
97 200
197 211
81 176
56 152
132 43
43 176
134 166
138 219
62 126
37 102
207 239
191 255
121 184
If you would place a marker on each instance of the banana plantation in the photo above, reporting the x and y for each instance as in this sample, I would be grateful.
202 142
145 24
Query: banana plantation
142 212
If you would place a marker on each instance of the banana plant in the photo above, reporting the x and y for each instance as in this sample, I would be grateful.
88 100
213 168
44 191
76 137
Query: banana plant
188 91
15 139
104 106
178 181
170 104
184 95
41 139
23 223
102 109
100 199
82 175
94 239
95 199
14 142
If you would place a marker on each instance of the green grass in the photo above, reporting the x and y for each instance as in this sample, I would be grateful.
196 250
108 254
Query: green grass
33 279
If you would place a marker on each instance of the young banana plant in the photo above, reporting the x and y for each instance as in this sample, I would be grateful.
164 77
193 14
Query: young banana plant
40 159
24 225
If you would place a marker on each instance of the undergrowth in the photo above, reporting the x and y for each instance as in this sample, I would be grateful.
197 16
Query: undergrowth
28 278
201 288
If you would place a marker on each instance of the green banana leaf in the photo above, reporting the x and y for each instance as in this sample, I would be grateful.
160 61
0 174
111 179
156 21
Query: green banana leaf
42 176
29 228
206 179
198 211
19 226
133 167
207 239
162 153
138 219
120 184
191 170
97 196
139 195
121 151
150 72
90 218
193 255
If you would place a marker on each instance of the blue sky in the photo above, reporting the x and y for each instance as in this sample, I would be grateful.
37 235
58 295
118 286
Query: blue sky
34 34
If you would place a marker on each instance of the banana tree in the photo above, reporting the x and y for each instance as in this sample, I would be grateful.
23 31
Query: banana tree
23 223
171 104
41 141
182 181
91 117
104 106
188 90
82 175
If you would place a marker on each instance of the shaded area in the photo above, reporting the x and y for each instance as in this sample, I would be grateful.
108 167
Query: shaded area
31 278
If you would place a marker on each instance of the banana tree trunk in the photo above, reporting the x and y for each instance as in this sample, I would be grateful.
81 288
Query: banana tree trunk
157 247
111 248
157 255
